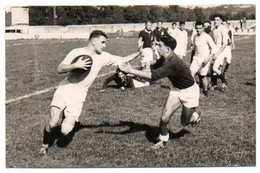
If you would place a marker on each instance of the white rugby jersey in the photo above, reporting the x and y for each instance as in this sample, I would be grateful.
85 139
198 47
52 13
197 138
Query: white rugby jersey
173 32
85 80
204 45
182 43
220 35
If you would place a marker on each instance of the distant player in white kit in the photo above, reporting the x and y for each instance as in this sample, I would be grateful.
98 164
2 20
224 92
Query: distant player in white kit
204 48
230 46
70 95
182 41
220 36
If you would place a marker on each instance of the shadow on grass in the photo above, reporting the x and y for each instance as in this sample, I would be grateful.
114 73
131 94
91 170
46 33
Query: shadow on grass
151 132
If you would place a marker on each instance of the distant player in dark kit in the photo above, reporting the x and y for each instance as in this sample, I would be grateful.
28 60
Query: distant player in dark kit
71 93
124 80
121 79
186 92
159 32
145 44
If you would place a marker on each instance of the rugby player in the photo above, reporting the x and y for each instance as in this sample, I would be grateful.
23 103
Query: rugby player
220 37
204 48
145 41
186 91
182 41
71 93
230 46
159 31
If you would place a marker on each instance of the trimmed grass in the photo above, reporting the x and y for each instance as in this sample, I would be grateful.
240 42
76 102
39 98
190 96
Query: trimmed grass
119 127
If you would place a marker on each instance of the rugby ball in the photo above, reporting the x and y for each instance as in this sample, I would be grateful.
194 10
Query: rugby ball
85 57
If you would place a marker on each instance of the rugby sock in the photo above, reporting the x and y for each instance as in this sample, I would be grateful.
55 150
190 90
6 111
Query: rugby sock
222 78
226 68
163 127
47 137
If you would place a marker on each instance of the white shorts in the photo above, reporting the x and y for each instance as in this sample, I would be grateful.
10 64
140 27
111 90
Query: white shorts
197 64
226 53
189 97
147 55
70 98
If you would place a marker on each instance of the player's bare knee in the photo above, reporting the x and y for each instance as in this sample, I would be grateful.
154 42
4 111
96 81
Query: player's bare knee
67 125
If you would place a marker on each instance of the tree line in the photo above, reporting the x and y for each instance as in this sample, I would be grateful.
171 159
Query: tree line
81 15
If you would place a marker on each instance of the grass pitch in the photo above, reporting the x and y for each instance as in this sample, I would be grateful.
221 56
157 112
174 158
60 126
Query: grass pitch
118 127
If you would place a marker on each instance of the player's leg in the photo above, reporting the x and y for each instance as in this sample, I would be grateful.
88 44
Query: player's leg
48 137
195 65
203 75
171 105
189 116
190 99
228 60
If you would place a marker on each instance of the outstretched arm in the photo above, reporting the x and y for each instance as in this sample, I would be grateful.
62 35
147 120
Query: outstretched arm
128 69
131 57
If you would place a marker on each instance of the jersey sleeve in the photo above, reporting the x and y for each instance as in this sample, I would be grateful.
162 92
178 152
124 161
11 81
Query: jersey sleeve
212 45
69 58
112 59
161 72
140 34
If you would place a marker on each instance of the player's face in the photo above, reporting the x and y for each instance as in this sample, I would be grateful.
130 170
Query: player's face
174 26
159 24
182 27
99 44
217 21
199 29
149 26
162 50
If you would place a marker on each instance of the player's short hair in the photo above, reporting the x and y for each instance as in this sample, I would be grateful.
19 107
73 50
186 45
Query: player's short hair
148 21
173 23
169 41
198 23
182 23
207 21
97 33
225 20
218 15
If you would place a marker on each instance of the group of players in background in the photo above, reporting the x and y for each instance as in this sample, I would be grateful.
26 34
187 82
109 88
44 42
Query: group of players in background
162 51
211 49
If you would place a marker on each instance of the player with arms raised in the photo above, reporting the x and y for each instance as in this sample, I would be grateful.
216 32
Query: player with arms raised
70 95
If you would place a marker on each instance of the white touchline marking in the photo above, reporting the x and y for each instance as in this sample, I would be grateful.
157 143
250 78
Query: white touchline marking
44 91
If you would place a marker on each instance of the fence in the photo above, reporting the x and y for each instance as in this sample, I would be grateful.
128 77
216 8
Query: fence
83 31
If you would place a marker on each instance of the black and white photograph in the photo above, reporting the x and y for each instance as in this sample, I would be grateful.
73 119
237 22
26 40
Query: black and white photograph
123 85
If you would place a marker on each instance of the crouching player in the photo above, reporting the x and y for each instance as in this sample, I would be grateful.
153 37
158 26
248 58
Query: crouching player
186 91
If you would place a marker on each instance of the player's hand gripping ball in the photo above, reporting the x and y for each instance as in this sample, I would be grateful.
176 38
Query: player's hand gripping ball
87 64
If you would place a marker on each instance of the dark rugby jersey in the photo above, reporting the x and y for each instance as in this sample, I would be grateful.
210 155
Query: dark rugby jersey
147 37
177 72
158 33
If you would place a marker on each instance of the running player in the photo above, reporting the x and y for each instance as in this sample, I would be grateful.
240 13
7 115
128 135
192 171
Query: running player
220 35
145 41
204 48
230 46
70 95
186 92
